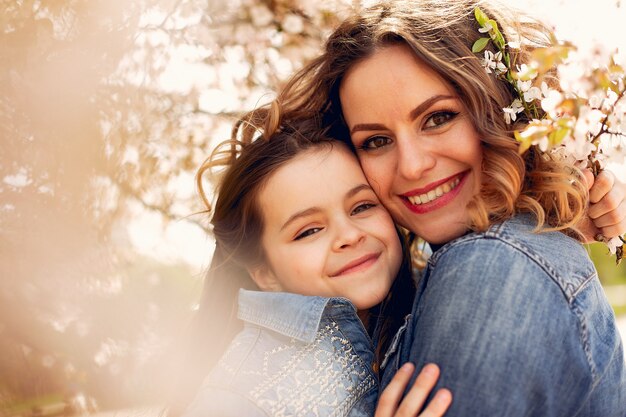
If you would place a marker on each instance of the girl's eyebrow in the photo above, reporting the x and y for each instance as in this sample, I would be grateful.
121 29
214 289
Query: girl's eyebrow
312 210
300 214
421 108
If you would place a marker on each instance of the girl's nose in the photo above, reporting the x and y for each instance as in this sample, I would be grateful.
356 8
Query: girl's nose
348 234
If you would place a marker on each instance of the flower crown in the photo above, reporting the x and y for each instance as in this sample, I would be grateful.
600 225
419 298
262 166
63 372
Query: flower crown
582 122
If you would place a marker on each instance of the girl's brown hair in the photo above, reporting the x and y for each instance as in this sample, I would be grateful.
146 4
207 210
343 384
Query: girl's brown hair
441 34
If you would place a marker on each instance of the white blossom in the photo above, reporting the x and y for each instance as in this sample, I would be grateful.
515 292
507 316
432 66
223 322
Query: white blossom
595 101
613 147
526 72
493 63
589 122
614 243
524 85
538 130
616 121
18 180
293 24
487 28
572 78
542 142
551 101
261 15
514 45
532 94
510 113
578 148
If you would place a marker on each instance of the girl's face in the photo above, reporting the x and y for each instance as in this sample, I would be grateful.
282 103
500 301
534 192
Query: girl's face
415 142
325 231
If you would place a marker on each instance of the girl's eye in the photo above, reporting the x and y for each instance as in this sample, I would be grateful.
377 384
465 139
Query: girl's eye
375 142
362 207
308 232
439 118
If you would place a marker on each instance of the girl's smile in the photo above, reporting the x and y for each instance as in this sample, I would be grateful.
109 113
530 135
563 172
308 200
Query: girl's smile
360 264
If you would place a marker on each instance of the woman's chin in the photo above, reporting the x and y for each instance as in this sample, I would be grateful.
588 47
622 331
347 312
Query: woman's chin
443 234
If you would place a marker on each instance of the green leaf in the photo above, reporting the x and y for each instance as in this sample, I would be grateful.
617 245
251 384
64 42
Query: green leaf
480 44
524 142
481 17
497 35
559 135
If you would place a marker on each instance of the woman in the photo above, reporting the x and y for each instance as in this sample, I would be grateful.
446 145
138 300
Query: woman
516 319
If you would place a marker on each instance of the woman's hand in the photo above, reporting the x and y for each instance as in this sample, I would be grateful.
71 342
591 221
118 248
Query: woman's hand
607 207
391 403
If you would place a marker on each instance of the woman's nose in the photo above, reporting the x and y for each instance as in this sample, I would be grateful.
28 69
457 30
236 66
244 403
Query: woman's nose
414 157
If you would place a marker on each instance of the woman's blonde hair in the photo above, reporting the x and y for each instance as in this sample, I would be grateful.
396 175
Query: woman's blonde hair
441 35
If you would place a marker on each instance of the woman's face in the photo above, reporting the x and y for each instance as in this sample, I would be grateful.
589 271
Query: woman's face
325 232
414 140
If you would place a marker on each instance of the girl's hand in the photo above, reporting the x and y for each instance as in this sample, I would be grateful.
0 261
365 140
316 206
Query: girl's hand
389 404
607 207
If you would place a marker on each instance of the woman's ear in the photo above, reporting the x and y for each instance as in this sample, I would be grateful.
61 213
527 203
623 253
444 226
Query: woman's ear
264 278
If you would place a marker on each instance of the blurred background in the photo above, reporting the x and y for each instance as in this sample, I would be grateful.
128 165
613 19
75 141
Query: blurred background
107 108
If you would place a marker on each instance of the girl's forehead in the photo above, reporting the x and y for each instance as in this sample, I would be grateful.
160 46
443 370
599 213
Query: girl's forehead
315 173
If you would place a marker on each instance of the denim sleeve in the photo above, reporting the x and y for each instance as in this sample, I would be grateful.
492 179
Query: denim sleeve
503 333
212 402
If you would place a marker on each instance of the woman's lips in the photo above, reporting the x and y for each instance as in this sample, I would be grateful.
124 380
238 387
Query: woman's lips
359 264
435 195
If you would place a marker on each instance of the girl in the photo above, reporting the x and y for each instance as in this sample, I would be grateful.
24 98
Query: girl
296 219
517 320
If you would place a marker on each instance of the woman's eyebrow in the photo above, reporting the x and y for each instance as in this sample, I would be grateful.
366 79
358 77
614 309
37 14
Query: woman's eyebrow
421 108
427 103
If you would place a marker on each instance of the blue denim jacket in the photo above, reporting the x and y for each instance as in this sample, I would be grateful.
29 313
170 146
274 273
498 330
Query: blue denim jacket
296 356
519 325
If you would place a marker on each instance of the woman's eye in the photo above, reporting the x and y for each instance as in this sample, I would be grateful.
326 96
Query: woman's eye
362 207
308 232
375 142
439 118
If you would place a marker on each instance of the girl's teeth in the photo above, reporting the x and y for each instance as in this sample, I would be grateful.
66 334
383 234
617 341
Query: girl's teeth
436 193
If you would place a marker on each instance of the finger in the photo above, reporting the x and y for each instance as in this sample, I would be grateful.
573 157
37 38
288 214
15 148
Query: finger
601 186
615 230
609 202
415 398
439 404
389 399
612 218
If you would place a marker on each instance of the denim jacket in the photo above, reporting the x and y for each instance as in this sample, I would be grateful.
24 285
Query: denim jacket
296 356
519 325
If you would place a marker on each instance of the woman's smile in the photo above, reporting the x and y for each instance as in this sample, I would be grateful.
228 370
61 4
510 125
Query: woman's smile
435 195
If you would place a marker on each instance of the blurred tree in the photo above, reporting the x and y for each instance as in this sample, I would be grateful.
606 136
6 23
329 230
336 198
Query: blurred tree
105 104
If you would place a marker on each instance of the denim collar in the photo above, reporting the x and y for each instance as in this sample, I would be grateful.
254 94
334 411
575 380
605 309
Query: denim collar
525 222
293 315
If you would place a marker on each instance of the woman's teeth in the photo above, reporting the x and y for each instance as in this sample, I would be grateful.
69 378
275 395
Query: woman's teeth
436 193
